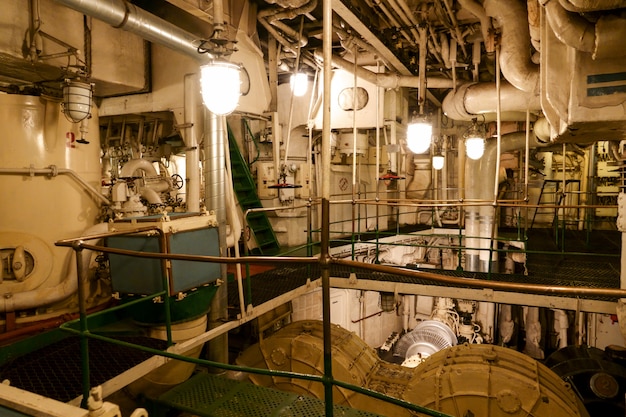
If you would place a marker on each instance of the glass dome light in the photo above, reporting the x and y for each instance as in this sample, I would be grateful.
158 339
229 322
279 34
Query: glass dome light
299 83
220 84
475 147
475 141
77 100
418 136
438 161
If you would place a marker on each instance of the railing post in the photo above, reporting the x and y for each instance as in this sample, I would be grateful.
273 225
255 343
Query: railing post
82 311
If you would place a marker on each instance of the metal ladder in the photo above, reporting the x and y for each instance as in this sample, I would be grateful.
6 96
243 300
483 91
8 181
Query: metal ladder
571 187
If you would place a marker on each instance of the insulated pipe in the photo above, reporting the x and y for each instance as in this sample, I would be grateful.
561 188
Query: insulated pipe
570 28
124 15
387 80
150 195
133 165
473 99
192 154
603 39
214 174
582 6
515 58
480 176
271 19
44 296
476 9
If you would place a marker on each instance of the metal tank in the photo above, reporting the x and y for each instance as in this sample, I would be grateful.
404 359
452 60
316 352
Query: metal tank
464 380
48 178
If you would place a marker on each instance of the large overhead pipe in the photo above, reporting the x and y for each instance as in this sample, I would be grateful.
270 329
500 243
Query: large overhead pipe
603 39
471 100
478 10
386 80
582 6
124 15
515 57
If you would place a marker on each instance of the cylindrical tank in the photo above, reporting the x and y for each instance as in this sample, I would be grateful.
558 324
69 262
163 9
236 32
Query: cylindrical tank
174 372
39 208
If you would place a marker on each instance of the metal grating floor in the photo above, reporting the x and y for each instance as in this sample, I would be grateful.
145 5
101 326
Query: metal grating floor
557 268
208 395
54 371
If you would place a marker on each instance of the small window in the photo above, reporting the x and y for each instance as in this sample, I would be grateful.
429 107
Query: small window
353 98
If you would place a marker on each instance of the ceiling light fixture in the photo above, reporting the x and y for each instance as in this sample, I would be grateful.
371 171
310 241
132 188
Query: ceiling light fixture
77 97
475 141
438 161
299 83
220 80
419 135
220 84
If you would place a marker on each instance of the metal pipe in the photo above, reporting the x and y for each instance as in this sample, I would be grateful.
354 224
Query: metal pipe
473 99
82 311
487 284
515 57
477 9
387 80
52 171
192 153
327 16
602 38
215 199
126 16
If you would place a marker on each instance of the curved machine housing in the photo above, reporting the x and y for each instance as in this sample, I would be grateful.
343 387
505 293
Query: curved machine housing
463 380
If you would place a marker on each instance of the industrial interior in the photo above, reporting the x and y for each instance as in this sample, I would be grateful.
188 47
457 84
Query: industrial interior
312 208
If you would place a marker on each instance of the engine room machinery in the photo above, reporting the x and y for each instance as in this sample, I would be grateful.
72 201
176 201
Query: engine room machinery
463 380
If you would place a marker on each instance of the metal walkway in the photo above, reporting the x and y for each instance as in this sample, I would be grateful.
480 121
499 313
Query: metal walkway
207 395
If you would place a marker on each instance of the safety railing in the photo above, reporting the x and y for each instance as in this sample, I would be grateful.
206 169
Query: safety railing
81 326
173 352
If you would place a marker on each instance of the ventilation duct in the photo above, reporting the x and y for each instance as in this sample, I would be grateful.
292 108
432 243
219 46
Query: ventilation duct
480 178
583 84
515 57
470 100
124 15
603 39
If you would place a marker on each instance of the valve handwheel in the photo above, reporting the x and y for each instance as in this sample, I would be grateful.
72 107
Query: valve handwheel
177 181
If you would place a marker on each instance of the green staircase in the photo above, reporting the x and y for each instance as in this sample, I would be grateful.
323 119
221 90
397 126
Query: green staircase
259 225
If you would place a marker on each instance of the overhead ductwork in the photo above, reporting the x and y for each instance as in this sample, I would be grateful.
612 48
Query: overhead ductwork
480 99
480 183
124 15
476 9
515 56
582 6
603 39
582 75
386 80
288 37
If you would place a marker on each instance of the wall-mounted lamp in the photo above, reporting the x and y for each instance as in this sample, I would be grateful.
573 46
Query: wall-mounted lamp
77 96
299 83
220 84
475 141
438 161
419 135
